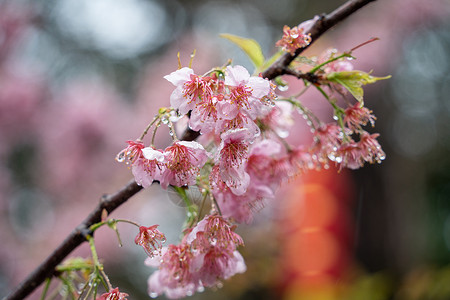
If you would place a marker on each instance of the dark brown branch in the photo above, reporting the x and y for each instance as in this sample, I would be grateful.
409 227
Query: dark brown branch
323 23
311 77
75 238
110 202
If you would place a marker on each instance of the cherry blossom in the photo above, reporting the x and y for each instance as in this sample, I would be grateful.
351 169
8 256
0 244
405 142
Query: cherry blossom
294 38
151 239
357 116
183 161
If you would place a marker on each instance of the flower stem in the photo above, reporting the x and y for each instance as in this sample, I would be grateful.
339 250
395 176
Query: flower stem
148 128
46 286
329 61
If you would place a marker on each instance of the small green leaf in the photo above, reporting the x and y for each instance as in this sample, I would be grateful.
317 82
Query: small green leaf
269 62
353 81
249 46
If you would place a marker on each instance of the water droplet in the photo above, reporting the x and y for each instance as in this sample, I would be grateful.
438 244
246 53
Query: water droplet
171 132
201 289
283 88
120 157
335 118
153 295
283 133
165 121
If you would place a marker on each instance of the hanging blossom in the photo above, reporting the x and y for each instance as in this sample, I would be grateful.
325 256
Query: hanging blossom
231 159
114 294
148 167
151 239
182 163
357 115
131 153
206 256
242 163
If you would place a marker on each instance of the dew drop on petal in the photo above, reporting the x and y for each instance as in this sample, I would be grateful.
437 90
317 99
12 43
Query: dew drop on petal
153 295
283 88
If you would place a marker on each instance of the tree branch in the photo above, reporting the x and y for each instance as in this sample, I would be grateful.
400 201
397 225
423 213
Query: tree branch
323 23
110 202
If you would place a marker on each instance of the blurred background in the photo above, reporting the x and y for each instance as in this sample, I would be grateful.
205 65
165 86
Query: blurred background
80 77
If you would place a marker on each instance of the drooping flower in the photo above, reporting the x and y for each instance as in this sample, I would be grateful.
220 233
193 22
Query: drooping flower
151 239
232 154
174 276
114 294
357 115
216 258
370 148
131 153
328 138
217 231
231 206
183 161
279 119
217 265
148 167
349 155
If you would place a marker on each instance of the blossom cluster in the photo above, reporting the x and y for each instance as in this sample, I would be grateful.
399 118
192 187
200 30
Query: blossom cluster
241 157
206 256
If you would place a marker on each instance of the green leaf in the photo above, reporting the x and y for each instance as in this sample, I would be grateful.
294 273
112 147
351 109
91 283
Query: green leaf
269 62
353 81
249 46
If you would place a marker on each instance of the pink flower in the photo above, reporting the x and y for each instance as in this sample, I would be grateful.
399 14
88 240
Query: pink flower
215 245
151 239
204 116
279 119
302 160
349 155
190 89
231 206
370 148
357 116
131 153
241 121
148 167
294 38
328 138
246 92
217 265
113 295
231 158
174 277
183 161
217 231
